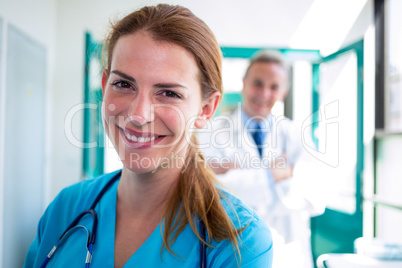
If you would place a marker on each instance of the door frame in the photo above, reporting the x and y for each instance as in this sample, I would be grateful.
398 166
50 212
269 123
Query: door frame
350 226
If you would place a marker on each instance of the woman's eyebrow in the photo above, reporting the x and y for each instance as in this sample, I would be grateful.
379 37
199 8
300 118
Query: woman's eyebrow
159 85
125 76
170 85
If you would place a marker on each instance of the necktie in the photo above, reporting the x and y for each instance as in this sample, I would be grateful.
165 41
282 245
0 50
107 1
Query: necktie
258 138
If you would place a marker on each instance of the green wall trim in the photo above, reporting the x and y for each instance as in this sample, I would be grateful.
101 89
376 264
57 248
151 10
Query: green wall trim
86 136
315 101
93 158
359 48
288 53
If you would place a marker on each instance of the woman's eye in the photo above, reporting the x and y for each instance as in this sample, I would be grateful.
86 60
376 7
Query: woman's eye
121 84
171 94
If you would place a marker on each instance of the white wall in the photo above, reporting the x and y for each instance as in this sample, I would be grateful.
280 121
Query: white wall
389 185
37 20
361 24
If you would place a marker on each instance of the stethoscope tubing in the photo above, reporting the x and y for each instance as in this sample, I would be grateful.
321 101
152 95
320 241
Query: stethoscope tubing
92 237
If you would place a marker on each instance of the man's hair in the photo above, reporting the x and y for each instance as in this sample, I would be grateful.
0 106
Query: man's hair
268 56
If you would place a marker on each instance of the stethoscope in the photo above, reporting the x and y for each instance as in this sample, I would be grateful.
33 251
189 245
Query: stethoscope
92 235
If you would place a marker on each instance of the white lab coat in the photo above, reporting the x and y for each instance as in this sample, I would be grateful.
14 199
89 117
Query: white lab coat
287 205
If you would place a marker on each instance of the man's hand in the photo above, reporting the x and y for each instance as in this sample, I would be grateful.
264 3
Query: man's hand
281 170
221 167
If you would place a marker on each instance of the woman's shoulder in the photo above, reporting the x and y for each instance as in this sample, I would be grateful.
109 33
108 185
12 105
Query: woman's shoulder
243 216
238 211
71 201
86 190
81 194
255 240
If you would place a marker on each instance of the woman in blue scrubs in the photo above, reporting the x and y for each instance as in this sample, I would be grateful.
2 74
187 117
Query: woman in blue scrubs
162 80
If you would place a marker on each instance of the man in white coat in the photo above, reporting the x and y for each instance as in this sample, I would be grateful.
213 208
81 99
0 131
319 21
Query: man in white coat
261 158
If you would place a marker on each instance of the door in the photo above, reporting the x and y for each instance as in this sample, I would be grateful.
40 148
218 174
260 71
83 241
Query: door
338 102
24 146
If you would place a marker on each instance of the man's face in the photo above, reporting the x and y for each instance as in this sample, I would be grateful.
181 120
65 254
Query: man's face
263 85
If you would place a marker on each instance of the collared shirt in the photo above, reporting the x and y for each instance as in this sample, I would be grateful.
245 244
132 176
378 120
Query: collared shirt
252 124
265 125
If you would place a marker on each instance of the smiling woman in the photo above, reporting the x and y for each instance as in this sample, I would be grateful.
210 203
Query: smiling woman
162 78
154 95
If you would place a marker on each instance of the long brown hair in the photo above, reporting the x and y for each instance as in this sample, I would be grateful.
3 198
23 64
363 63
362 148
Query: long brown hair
195 196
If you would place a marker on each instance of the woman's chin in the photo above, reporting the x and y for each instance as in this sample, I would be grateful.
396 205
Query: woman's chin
138 168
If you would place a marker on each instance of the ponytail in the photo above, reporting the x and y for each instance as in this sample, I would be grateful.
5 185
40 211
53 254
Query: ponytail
196 198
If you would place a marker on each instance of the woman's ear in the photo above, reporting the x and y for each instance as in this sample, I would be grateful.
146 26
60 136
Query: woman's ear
104 81
208 109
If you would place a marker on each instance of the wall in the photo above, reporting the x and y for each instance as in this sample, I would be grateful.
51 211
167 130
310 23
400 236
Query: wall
389 185
36 21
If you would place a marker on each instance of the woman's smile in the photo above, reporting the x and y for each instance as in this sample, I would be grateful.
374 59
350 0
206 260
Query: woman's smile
140 140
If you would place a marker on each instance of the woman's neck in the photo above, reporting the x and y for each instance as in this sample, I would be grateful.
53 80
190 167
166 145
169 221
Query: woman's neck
146 194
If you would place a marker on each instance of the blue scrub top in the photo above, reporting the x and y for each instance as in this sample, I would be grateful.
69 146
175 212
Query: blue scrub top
255 245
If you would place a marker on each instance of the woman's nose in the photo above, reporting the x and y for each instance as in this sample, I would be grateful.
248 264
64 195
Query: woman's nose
140 112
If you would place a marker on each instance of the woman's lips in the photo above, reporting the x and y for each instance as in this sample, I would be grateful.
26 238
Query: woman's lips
140 140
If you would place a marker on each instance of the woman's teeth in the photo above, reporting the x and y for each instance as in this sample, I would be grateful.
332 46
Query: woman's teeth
139 139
